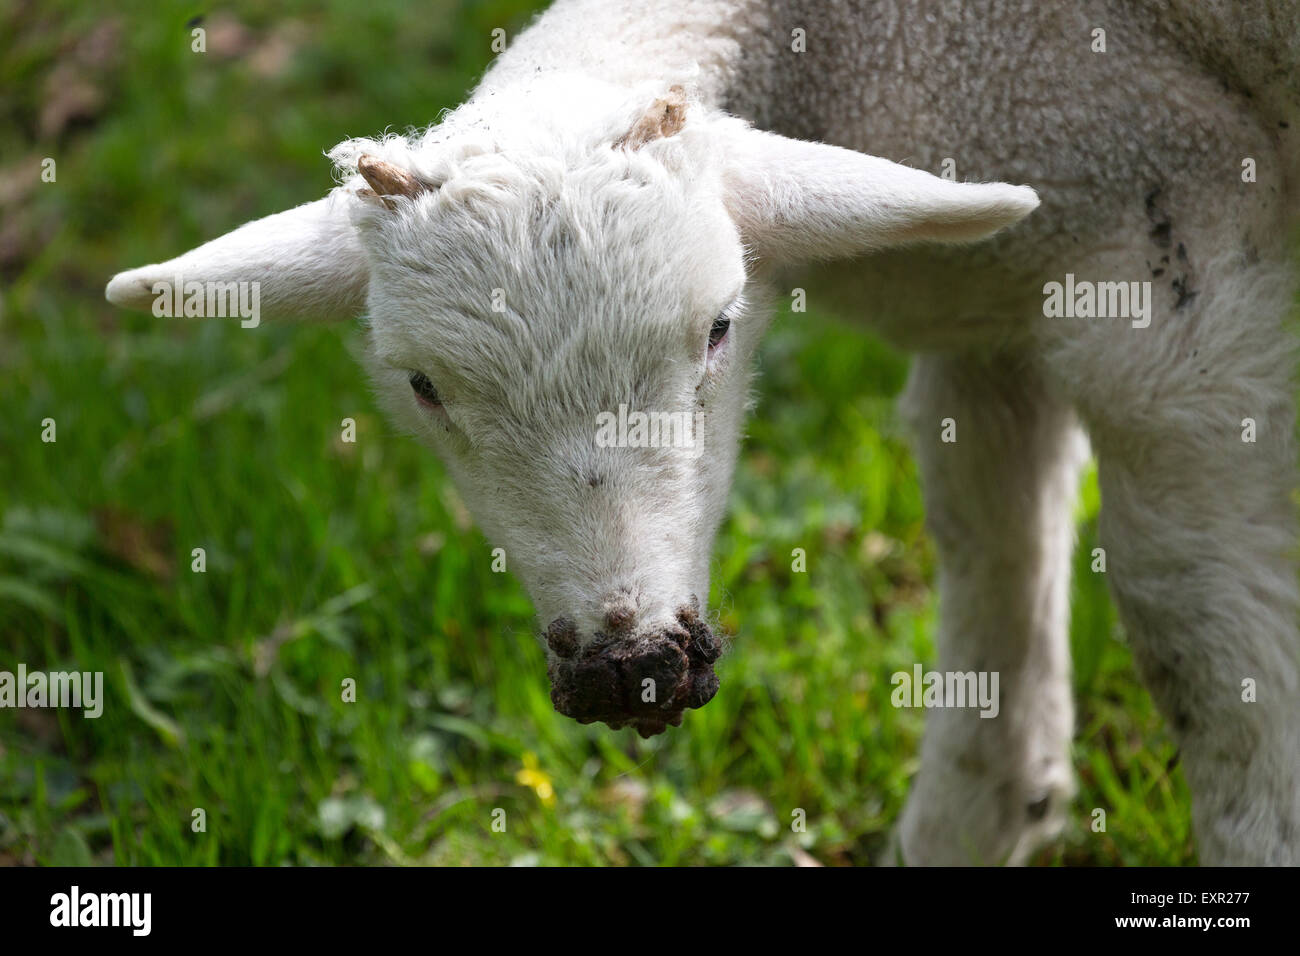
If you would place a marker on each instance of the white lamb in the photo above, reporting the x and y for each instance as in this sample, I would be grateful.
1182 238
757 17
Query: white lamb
600 226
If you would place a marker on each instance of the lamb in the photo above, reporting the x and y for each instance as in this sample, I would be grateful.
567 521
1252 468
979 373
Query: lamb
608 219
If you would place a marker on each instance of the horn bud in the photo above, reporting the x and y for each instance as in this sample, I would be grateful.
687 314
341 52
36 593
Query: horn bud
388 180
665 117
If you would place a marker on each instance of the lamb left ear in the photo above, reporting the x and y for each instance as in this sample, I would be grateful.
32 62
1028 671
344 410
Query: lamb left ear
796 200
307 262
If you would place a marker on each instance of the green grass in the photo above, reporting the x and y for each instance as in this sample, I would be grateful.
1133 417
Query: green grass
329 561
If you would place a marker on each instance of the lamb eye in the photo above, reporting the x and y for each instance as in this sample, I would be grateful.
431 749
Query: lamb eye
424 391
719 331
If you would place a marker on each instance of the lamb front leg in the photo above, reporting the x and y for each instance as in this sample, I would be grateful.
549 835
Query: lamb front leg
999 503
1197 467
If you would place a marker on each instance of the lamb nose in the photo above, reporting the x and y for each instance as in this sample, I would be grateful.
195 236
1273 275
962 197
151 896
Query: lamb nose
562 637
660 662
619 618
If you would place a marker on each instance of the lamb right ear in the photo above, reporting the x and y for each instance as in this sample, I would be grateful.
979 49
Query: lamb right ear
796 200
307 263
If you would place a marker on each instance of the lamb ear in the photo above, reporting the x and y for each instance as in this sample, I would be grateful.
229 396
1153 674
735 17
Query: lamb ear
797 200
307 262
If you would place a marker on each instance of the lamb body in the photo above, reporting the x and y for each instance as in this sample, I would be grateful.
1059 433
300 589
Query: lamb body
612 259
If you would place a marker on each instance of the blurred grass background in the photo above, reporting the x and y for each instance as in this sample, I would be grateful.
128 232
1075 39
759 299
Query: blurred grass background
328 560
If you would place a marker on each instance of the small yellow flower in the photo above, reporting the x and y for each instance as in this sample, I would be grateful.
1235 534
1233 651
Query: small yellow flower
531 776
